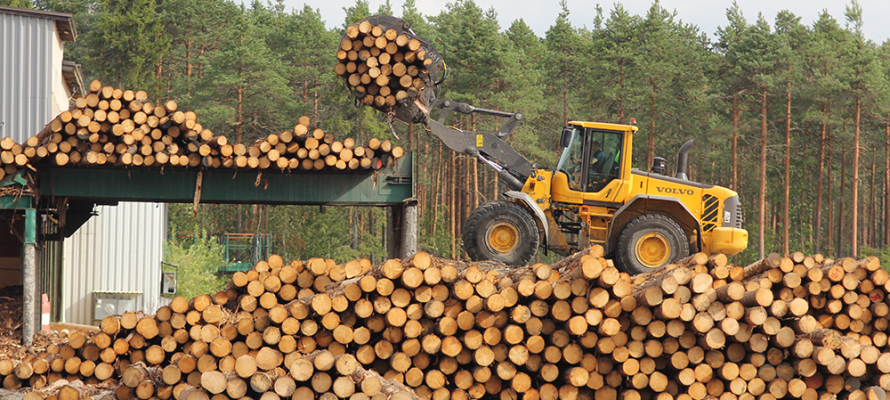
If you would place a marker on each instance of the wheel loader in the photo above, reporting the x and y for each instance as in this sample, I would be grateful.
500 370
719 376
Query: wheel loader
643 220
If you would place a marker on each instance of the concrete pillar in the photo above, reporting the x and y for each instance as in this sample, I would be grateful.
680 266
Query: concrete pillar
30 303
391 235
409 229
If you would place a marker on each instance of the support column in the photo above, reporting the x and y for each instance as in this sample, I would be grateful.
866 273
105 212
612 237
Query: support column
29 277
409 229
392 234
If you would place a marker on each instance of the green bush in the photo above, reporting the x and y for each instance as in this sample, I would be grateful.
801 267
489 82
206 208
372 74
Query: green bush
196 263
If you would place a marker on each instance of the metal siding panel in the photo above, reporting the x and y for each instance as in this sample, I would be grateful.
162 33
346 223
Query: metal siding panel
25 75
118 250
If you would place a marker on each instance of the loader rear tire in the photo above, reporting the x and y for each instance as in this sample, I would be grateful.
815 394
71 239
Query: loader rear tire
650 241
501 231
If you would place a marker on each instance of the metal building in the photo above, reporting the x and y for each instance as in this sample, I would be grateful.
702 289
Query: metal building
35 81
119 248
116 254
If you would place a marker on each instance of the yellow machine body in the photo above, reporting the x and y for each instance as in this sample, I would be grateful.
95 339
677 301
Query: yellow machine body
579 215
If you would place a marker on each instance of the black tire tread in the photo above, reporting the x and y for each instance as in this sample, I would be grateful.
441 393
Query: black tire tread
626 261
469 232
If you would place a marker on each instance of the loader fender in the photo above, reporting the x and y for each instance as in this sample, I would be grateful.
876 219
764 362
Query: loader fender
643 204
536 210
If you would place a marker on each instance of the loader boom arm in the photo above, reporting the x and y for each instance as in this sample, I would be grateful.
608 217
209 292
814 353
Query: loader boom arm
490 148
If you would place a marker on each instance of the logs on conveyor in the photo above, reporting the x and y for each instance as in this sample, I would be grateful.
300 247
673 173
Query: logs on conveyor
796 327
111 126
388 67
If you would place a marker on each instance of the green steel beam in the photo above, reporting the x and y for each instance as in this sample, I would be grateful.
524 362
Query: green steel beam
30 226
387 186
16 202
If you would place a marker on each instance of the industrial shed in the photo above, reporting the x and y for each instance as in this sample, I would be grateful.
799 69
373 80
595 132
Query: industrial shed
95 247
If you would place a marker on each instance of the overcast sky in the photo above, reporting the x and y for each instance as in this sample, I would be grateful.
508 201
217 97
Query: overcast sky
706 14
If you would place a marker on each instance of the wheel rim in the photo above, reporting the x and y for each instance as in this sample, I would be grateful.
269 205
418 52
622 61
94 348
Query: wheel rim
653 250
503 237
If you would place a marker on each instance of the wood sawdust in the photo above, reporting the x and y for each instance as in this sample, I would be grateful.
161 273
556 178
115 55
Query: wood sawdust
11 327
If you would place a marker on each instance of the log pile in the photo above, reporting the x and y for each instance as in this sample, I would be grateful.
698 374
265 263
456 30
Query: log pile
784 327
387 67
110 126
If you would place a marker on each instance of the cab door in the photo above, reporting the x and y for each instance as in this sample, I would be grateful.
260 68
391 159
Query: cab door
604 151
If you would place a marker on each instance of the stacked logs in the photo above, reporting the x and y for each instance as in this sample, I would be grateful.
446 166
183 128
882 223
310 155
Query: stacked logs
110 126
383 67
783 327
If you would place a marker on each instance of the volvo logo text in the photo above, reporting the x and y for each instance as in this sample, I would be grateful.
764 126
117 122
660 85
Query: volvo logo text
674 190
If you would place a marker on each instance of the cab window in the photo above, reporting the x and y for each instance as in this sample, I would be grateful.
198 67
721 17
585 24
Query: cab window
604 163
572 159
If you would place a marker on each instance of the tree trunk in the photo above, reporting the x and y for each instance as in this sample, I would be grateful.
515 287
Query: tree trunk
188 58
452 206
762 216
818 229
785 221
887 184
238 219
829 200
650 150
475 174
840 213
735 143
871 206
353 219
239 117
565 91
438 198
854 249
621 90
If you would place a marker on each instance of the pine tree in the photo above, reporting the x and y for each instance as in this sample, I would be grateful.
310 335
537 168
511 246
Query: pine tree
616 44
566 49
670 65
730 76
242 87
357 12
758 57
128 43
417 21
824 71
863 81
793 39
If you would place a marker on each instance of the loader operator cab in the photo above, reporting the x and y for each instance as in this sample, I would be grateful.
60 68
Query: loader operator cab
591 158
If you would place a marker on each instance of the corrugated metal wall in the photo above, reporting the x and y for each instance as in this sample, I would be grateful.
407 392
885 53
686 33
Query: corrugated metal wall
25 75
118 250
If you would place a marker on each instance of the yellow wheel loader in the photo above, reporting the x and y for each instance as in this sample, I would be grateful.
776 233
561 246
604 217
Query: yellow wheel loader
644 220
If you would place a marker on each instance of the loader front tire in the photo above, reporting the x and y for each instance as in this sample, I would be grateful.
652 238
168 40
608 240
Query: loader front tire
650 241
501 231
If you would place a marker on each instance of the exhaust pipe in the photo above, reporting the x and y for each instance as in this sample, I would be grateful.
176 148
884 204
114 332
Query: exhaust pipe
682 160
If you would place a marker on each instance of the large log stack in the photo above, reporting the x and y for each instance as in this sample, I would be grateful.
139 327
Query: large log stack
784 327
110 126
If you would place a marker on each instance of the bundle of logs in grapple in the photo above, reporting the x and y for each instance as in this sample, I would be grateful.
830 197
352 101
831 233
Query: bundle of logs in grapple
381 65
783 327
111 126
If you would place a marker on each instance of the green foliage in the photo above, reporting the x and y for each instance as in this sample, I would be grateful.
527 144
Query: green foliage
129 41
17 3
196 263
